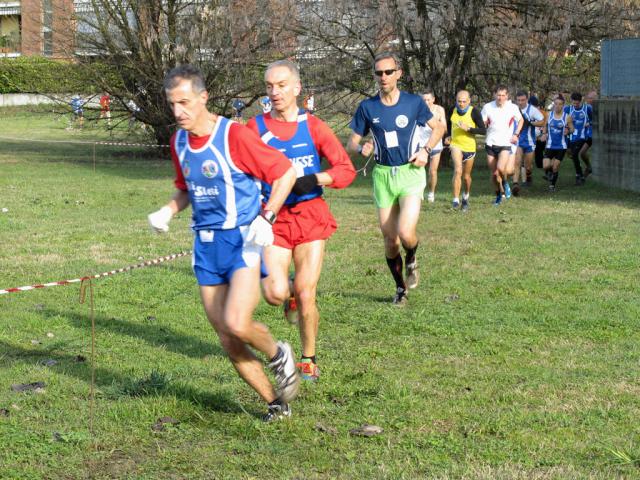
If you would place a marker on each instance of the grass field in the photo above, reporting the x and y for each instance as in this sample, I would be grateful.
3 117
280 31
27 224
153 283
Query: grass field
517 357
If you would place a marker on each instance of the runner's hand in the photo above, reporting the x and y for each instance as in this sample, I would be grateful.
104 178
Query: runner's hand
159 220
260 232
420 158
367 149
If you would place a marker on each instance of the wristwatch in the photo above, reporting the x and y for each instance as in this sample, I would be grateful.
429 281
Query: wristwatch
428 149
269 216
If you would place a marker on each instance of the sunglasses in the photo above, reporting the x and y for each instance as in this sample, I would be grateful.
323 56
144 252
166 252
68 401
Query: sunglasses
388 73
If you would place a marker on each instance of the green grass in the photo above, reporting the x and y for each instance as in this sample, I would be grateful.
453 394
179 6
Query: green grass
518 356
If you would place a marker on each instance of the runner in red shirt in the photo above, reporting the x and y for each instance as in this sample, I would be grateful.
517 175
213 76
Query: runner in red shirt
304 222
105 107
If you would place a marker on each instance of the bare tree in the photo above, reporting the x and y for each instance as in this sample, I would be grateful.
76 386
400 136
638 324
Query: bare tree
542 45
140 40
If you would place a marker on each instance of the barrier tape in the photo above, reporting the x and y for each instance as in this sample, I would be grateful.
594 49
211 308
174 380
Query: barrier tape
155 261
78 142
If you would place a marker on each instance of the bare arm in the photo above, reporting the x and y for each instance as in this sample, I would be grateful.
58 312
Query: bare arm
179 201
280 190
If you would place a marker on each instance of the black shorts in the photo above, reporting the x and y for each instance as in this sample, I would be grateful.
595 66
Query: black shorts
494 150
576 146
553 153
589 141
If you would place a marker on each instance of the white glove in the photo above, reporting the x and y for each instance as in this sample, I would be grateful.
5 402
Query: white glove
260 232
159 220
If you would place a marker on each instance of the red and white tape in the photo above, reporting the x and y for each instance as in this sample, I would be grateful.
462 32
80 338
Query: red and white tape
79 142
155 261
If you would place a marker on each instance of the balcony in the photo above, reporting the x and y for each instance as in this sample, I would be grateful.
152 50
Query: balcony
9 8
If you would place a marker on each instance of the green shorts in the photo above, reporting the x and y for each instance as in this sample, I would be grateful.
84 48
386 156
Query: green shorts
392 183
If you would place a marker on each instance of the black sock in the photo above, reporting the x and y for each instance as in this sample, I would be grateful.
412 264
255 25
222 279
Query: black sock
395 265
410 256
312 358
554 178
276 402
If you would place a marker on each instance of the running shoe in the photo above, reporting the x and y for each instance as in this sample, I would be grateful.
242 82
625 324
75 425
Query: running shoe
400 299
455 204
308 370
552 188
413 276
465 205
579 180
277 412
498 200
284 369
507 189
431 197
515 190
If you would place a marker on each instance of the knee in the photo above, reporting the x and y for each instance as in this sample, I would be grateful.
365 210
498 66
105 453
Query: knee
391 241
276 294
238 329
467 177
407 236
307 297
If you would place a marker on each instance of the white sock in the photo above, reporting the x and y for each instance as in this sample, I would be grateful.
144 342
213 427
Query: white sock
465 196
456 199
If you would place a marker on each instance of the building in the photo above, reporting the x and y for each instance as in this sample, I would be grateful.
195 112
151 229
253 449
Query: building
36 27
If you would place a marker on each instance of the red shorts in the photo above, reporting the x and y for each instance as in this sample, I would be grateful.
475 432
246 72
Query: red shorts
303 222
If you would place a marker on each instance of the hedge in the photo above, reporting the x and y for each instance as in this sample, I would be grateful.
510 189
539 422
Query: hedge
43 75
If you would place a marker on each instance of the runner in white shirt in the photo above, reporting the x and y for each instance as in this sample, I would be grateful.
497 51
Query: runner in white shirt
499 117
438 113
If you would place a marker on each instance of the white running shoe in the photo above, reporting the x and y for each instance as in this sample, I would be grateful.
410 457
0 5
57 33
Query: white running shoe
431 197
286 373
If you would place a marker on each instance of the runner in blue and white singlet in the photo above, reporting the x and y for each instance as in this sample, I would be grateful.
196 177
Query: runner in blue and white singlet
532 118
219 164
582 116
558 126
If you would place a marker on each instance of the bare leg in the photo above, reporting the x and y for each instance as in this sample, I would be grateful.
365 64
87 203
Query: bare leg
308 259
226 301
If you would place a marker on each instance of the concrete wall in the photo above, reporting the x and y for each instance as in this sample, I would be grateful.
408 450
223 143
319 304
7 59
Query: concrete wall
616 143
17 99
620 68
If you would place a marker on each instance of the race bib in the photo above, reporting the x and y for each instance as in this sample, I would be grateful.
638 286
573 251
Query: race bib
391 139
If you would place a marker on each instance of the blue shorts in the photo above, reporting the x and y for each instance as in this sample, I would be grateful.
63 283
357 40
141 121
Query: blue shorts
217 254
527 148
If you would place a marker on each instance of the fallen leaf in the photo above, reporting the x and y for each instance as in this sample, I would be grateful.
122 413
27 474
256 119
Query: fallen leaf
159 425
326 429
4 412
35 342
49 363
26 387
452 298
50 335
366 430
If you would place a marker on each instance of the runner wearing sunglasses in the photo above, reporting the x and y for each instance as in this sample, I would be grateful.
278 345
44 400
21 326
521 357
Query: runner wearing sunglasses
393 118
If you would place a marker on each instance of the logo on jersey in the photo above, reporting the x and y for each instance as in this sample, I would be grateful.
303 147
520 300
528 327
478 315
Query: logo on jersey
209 168
402 121
186 169
376 120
